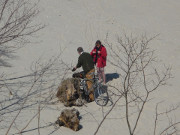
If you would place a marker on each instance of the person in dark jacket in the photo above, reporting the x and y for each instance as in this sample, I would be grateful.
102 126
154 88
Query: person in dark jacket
99 55
85 61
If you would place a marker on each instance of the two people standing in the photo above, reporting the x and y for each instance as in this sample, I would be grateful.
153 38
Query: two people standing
87 61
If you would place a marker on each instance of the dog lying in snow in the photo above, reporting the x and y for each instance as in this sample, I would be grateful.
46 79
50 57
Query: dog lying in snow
69 118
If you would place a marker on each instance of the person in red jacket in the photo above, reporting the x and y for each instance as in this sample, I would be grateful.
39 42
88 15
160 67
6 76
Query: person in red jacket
99 55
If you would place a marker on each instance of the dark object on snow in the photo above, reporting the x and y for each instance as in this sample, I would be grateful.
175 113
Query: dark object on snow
70 119
79 75
73 69
69 92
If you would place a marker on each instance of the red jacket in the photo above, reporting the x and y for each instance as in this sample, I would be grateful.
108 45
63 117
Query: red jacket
99 56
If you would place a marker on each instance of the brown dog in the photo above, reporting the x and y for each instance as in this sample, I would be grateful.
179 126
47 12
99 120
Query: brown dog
69 91
69 118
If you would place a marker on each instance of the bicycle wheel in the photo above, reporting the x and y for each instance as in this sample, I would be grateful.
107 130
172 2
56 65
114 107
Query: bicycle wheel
101 95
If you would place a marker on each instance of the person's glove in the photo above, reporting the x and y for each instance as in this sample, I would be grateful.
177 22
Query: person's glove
73 69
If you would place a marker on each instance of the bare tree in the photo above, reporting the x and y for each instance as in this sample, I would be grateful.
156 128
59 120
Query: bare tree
140 76
16 25
172 127
34 91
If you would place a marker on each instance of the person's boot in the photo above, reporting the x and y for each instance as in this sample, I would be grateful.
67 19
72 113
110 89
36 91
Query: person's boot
91 97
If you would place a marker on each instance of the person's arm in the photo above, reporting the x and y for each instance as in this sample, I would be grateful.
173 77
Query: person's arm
93 52
79 64
103 52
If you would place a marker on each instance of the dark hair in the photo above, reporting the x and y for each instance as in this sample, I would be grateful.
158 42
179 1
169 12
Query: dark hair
98 42
80 49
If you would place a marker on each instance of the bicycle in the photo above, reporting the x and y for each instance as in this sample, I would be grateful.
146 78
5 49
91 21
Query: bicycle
100 91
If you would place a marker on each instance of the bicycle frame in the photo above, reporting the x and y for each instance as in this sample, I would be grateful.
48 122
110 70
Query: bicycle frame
84 84
99 93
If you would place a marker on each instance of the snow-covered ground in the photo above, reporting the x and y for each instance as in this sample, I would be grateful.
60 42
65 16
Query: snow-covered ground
74 23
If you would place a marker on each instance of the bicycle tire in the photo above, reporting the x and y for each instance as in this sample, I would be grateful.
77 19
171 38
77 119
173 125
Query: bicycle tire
101 96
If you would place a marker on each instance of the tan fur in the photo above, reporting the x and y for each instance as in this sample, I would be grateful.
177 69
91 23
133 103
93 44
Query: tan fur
67 91
91 97
70 119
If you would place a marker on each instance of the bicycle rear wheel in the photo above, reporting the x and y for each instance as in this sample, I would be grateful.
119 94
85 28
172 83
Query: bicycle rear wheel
101 95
